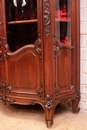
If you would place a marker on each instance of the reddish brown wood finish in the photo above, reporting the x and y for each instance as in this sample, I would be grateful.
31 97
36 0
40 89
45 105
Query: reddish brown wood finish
39 73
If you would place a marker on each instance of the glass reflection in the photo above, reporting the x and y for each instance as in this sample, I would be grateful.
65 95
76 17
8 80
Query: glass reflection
22 26
21 9
62 10
63 22
19 35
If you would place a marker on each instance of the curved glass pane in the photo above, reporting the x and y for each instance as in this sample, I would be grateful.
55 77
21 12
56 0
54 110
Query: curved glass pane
63 21
22 26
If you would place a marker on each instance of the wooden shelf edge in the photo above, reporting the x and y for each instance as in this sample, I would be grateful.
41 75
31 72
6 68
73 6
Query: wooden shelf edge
61 20
22 21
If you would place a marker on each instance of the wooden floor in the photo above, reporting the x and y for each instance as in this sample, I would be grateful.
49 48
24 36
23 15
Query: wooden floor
17 117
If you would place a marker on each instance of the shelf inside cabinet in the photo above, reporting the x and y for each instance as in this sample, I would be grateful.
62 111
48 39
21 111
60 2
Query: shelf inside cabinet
62 20
22 21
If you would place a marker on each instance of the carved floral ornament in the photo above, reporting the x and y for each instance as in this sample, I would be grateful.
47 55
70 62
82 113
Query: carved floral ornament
2 87
6 101
40 92
49 102
47 17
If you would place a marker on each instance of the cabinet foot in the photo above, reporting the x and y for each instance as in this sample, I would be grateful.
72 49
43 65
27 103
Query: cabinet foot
49 117
49 123
75 107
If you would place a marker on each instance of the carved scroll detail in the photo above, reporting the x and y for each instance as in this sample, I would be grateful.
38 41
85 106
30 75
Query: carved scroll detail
2 86
49 102
47 18
40 92
78 95
6 47
71 87
38 46
6 100
0 41
9 89
1 57
58 47
57 50
32 102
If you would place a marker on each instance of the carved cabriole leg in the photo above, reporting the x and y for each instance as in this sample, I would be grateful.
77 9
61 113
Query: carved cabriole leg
75 107
75 103
49 110
49 116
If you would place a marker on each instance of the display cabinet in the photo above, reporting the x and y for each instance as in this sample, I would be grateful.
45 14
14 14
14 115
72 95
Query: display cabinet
39 53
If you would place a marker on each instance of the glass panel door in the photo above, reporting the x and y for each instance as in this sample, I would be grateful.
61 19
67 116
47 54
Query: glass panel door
63 21
21 20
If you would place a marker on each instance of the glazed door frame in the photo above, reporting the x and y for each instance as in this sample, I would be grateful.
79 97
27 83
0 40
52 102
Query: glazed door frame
67 58
27 60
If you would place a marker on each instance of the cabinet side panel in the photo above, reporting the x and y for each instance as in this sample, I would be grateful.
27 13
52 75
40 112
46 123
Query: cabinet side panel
64 67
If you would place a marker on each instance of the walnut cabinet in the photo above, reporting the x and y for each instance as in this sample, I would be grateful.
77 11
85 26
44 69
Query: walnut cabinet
39 53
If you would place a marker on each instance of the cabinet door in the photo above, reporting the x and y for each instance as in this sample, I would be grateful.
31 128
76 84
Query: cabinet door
65 46
2 78
2 81
23 50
